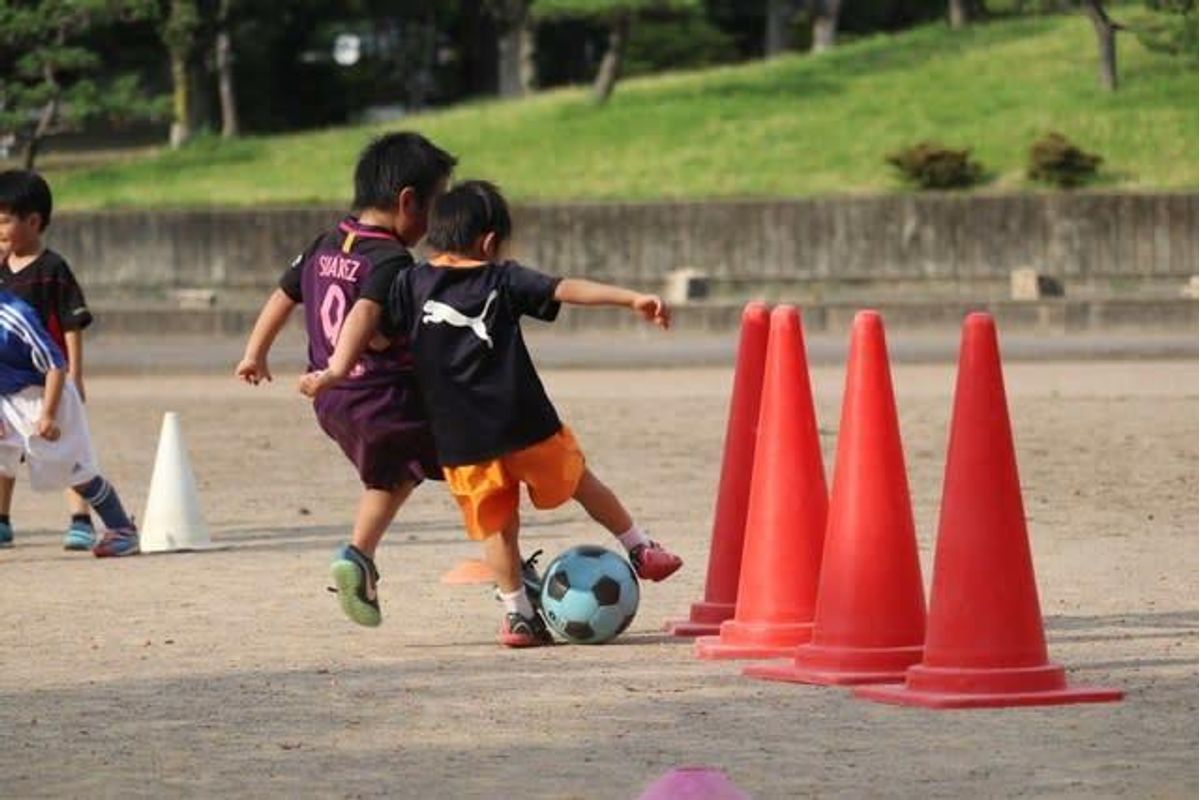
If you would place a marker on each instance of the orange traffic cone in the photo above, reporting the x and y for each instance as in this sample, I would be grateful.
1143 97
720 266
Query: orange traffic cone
785 524
733 493
985 645
870 619
468 571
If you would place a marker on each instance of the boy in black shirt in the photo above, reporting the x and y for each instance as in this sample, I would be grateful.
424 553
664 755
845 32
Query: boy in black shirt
41 278
493 424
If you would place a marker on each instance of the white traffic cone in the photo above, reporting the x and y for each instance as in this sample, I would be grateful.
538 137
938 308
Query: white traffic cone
173 520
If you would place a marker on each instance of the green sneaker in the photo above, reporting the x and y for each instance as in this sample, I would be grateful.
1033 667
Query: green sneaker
355 577
6 535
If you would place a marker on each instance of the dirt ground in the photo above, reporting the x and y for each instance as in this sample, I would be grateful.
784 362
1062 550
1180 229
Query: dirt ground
232 673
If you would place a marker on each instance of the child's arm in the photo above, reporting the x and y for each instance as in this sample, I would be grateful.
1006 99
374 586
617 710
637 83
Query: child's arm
75 360
579 292
47 428
274 315
357 331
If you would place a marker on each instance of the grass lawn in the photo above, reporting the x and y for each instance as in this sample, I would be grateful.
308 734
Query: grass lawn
799 125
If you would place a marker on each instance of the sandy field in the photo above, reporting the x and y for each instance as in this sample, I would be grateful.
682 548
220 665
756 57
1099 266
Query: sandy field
233 674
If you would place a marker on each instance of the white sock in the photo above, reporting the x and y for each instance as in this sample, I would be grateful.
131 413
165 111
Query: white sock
517 602
633 538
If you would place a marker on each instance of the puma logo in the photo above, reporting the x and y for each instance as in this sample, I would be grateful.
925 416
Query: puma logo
436 313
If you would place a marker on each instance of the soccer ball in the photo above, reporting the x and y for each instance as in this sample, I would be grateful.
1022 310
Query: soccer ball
589 595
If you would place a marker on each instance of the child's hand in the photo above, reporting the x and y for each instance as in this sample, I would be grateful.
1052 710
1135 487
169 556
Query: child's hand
653 309
253 371
313 383
47 429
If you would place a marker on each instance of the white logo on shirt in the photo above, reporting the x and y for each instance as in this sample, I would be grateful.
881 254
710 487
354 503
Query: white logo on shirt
436 312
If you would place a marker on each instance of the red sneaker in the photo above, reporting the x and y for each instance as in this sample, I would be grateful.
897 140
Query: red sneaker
652 562
518 631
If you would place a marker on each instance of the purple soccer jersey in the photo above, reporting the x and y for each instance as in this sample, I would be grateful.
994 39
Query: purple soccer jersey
330 276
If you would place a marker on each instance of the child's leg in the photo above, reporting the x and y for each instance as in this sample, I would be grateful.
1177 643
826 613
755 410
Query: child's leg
7 483
376 510
80 533
120 538
353 569
522 627
648 557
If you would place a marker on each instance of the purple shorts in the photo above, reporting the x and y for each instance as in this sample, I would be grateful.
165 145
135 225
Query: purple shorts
383 431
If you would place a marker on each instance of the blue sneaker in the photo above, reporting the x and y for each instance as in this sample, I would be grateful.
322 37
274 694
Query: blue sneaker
117 543
6 534
80 536
355 576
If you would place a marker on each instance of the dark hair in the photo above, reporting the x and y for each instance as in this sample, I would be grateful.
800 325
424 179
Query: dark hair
396 160
24 193
466 212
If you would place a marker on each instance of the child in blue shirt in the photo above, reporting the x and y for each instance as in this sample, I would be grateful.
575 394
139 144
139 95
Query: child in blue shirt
42 422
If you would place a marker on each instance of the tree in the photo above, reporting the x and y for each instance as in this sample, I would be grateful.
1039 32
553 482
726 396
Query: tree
515 46
960 13
1106 40
618 17
53 86
825 22
179 34
778 36
223 57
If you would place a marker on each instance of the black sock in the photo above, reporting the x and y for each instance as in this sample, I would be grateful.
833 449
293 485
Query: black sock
4 519
82 519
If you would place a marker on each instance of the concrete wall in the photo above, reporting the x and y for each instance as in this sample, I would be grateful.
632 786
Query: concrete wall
888 247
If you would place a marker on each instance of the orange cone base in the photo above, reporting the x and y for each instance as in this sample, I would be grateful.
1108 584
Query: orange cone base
953 687
705 620
739 640
840 666
468 571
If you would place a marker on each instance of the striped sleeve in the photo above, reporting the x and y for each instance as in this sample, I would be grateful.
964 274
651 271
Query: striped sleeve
25 326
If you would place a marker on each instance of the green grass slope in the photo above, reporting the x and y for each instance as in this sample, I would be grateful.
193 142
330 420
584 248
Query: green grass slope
799 125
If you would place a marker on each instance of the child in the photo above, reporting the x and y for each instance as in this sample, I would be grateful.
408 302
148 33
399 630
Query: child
494 426
42 422
42 279
376 416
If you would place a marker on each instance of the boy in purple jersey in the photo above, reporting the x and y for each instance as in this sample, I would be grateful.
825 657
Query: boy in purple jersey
376 415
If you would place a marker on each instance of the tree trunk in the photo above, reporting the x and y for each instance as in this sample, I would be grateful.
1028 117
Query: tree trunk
610 66
527 54
960 14
511 47
825 21
778 35
181 122
225 87
1106 40
46 119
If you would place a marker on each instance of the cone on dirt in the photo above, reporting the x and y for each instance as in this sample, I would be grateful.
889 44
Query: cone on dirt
468 571
173 520
985 646
785 523
870 617
733 493
693 783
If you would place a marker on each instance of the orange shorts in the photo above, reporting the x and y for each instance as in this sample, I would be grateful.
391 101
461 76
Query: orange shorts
489 492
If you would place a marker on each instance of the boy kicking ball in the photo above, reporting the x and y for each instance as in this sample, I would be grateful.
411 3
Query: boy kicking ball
494 427
42 421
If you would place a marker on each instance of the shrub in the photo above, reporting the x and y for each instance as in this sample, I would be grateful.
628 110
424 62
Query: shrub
930 165
1056 160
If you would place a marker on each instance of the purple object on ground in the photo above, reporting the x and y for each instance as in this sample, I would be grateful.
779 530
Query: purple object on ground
693 783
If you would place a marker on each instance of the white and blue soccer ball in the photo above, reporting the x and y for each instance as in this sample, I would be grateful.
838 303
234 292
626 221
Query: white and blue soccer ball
589 595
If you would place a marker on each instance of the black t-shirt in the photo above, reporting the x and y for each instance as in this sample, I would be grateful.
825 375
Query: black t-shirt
330 275
48 285
482 394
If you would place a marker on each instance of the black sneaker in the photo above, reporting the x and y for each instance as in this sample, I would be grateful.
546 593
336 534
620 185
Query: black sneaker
355 576
519 631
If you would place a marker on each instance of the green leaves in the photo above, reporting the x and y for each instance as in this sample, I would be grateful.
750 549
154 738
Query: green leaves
601 8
